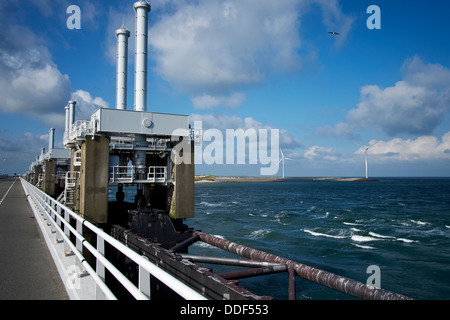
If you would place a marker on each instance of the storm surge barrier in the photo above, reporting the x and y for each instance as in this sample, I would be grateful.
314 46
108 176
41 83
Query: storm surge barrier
67 229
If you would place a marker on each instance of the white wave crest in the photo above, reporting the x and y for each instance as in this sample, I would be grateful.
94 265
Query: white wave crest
363 238
363 247
318 234
373 234
259 233
352 224
420 223
207 204
406 240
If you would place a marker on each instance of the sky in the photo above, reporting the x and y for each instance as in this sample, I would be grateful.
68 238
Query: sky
269 64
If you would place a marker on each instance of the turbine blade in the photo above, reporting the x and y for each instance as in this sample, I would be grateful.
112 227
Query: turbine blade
370 146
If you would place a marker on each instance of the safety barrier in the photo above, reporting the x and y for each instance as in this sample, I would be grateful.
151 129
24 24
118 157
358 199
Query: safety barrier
58 217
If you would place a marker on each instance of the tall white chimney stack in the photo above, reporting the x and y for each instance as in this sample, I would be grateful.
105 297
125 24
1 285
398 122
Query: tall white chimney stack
51 139
67 126
71 113
142 9
122 67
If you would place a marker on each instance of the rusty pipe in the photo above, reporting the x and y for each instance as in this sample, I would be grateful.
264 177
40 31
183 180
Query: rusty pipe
255 272
327 279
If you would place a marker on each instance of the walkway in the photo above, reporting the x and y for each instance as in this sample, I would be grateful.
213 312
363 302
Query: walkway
27 270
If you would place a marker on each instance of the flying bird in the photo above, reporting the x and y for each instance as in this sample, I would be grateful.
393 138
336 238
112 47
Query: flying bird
334 33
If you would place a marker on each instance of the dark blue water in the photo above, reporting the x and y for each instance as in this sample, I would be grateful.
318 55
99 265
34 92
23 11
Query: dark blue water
401 225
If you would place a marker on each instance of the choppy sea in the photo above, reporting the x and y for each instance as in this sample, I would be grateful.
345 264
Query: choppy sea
401 225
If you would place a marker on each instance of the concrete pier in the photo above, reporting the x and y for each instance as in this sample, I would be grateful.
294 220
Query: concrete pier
27 270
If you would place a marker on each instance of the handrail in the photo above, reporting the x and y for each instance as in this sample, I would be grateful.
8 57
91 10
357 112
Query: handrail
127 174
52 209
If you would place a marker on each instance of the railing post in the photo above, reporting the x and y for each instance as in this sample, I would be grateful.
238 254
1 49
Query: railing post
79 247
292 291
67 250
144 281
100 269
59 223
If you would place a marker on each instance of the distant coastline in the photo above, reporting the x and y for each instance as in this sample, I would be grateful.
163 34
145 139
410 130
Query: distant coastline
212 179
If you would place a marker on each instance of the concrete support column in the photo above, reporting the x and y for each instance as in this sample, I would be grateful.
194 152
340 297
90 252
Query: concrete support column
49 177
182 201
94 179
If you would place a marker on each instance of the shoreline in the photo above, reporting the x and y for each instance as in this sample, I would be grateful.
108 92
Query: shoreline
215 179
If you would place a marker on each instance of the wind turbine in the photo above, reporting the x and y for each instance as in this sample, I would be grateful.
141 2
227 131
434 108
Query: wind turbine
366 148
282 159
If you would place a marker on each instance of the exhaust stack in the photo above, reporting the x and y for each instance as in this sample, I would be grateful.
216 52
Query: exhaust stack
142 9
122 67
67 126
51 139
71 113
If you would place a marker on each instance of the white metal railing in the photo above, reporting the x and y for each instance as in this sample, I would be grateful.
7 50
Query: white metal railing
72 178
157 174
58 215
78 130
127 174
122 174
77 158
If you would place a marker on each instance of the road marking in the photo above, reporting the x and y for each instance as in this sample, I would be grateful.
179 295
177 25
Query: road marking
8 191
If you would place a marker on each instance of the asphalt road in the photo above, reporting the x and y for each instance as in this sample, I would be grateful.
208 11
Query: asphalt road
27 270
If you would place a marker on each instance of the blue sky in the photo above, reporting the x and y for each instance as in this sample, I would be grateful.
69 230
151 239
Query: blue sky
244 64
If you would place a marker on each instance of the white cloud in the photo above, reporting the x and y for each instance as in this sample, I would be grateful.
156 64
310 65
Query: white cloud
403 108
223 122
209 102
86 104
212 49
422 148
30 82
215 47
415 105
322 153
16 154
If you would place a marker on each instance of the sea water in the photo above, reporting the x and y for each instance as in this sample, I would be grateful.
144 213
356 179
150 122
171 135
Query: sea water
401 225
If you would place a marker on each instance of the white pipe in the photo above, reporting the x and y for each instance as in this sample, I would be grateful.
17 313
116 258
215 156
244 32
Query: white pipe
67 120
122 68
71 113
140 76
51 139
